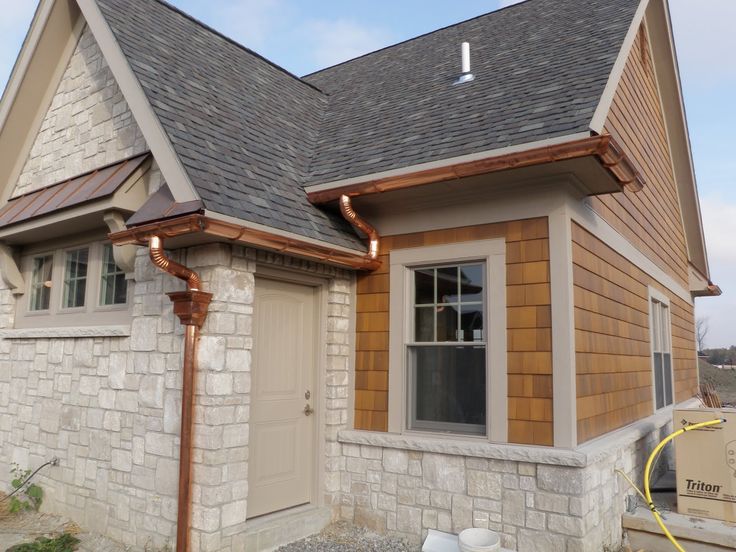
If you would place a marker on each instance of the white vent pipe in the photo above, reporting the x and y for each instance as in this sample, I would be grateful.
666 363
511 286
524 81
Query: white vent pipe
466 76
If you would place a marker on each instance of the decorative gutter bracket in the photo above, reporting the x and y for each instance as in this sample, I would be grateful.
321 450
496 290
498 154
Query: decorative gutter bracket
10 272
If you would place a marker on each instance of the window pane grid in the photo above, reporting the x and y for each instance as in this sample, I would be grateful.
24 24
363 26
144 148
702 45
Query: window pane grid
75 278
41 280
113 285
454 291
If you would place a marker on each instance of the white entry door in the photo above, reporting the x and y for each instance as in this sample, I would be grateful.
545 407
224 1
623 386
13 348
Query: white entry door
282 423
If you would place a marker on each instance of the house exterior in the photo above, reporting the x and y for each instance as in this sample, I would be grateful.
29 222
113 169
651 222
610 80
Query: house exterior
392 299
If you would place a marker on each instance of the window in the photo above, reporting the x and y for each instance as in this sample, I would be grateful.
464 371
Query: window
41 282
447 358
447 344
661 352
114 286
73 286
75 278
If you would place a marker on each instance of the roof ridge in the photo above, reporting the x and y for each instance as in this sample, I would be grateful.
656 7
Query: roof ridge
234 42
486 14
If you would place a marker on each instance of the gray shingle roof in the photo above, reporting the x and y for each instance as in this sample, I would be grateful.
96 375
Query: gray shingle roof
251 135
243 128
540 69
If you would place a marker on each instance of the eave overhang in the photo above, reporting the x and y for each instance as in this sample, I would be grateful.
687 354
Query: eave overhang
603 148
203 228
700 285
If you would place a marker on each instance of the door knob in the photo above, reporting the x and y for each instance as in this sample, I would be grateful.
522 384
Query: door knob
308 410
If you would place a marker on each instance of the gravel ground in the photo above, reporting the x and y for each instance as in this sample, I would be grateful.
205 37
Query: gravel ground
343 537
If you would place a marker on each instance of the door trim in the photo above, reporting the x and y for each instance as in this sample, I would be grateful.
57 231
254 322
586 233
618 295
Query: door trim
320 284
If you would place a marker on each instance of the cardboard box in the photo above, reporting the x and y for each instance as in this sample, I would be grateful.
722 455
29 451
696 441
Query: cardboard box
705 461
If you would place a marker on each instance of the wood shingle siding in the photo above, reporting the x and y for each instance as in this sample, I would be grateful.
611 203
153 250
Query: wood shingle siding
650 219
529 327
612 341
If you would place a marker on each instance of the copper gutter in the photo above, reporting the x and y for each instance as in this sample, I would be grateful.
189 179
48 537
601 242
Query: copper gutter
346 208
191 308
218 229
604 148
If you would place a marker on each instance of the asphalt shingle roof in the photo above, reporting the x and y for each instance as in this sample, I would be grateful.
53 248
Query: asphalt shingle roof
243 128
540 69
251 135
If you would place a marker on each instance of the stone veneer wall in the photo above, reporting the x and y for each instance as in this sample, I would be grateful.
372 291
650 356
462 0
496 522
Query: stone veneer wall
539 500
88 124
109 407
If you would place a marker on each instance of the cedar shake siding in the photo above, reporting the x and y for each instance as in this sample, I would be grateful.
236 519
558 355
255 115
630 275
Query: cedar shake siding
528 324
612 339
650 219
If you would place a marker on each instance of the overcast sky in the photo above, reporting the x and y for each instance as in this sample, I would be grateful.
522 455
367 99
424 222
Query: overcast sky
306 35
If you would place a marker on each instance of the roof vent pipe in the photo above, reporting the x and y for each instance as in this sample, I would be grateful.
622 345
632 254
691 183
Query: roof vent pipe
467 76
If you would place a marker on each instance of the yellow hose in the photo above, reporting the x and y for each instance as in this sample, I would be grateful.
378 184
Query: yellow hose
648 468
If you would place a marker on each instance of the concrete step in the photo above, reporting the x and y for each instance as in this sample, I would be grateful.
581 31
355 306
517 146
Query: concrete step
267 533
694 534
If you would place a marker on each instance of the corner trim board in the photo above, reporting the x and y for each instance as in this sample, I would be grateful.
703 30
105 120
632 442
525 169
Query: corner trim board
564 385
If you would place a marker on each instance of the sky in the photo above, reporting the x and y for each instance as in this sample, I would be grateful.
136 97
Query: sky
307 35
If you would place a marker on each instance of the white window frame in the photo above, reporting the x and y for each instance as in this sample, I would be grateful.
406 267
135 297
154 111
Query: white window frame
402 262
655 296
92 313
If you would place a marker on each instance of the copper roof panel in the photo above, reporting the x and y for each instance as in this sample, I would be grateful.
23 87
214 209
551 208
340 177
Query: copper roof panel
93 185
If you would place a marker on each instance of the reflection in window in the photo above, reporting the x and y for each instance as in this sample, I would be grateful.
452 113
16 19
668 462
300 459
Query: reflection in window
41 282
75 278
448 357
113 286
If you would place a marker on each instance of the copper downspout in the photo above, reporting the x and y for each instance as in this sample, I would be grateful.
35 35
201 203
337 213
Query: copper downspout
191 308
346 208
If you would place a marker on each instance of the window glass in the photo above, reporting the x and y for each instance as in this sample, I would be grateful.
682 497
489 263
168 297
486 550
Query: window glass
662 355
75 278
448 358
42 271
113 286
449 388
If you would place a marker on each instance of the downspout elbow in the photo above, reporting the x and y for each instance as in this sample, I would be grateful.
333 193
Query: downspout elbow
346 208
159 258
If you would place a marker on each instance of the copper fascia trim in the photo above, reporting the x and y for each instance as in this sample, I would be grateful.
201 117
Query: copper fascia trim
604 147
159 258
346 208
196 223
191 308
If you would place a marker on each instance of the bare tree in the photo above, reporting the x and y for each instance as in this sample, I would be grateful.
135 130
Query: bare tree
701 331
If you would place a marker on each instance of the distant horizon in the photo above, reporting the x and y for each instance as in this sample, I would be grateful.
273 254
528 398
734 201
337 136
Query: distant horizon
304 37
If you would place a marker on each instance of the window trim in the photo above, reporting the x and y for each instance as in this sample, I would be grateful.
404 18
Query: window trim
656 296
492 253
92 313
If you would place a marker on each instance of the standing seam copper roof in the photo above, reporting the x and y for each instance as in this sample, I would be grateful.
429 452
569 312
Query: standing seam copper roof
97 184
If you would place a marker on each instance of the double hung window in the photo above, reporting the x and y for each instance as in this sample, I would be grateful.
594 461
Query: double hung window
447 355
661 353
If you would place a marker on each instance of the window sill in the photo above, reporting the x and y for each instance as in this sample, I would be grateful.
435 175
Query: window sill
457 447
72 331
